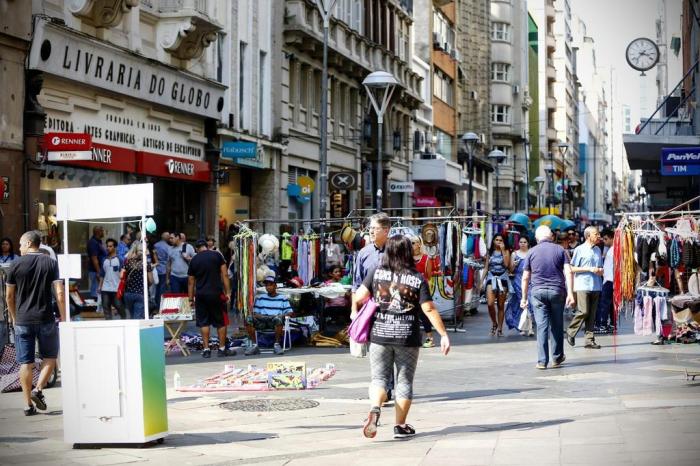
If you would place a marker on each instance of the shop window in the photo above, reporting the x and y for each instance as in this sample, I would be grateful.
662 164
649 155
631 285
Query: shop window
500 114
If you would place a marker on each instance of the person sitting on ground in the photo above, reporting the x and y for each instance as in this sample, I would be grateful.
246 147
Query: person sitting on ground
269 312
338 307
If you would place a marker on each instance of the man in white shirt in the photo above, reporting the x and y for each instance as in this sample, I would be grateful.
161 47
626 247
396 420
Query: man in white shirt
605 322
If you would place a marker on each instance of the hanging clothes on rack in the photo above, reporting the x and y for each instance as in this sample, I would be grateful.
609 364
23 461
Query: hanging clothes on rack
246 246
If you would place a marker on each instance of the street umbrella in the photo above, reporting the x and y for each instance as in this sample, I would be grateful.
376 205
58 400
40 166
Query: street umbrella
552 221
520 219
567 225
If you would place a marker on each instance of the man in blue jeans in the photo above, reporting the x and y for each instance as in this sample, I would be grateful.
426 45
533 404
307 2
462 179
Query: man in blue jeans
96 256
28 292
547 267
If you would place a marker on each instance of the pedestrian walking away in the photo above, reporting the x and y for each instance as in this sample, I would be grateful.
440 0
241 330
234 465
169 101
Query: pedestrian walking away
162 251
401 294
497 283
133 270
209 289
547 279
587 267
109 281
30 282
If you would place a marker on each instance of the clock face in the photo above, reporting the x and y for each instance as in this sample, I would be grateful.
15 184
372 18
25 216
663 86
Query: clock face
642 54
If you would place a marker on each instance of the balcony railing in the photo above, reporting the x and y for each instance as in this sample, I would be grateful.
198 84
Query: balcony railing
672 127
174 6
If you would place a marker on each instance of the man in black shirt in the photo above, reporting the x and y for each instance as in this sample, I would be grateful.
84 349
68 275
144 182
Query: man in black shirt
209 275
28 293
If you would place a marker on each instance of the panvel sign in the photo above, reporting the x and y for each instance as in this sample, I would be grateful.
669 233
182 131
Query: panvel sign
680 161
61 52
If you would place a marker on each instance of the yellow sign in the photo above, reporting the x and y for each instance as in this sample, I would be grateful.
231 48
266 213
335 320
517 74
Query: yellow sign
306 184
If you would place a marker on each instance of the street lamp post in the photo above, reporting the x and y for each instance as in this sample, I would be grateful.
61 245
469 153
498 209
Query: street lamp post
539 180
550 183
527 177
498 156
563 148
470 140
383 84
325 7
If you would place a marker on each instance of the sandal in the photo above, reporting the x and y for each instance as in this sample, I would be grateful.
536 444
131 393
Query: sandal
494 327
369 430
499 333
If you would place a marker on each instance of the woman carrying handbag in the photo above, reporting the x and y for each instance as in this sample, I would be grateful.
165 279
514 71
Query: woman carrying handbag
394 330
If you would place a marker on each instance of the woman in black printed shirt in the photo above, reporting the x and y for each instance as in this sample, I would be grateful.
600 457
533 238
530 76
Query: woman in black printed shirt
402 295
133 292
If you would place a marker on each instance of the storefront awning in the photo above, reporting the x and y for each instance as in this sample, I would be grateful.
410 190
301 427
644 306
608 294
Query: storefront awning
644 150
439 171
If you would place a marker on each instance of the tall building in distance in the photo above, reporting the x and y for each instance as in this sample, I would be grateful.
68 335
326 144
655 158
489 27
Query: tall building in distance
543 13
565 89
592 128
474 111
510 101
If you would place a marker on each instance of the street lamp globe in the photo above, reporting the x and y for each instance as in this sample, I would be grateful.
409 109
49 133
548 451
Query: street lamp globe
563 147
470 139
497 155
380 86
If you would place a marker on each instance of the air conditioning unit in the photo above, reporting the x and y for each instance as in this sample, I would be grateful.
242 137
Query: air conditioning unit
516 89
482 138
473 95
436 41
419 141
447 48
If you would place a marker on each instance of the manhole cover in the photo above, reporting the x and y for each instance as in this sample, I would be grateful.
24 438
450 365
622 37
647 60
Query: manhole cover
269 405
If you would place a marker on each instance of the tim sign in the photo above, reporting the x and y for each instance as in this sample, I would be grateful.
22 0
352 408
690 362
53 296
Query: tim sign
680 161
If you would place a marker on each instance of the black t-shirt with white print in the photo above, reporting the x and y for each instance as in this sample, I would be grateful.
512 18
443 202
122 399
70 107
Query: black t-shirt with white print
399 296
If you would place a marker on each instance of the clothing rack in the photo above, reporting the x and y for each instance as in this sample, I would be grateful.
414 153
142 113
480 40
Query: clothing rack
633 214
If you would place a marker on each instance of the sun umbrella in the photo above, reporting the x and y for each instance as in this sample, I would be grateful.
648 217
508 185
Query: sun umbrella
520 219
567 225
552 221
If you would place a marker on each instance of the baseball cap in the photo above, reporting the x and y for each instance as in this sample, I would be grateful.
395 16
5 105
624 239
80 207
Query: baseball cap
200 243
269 277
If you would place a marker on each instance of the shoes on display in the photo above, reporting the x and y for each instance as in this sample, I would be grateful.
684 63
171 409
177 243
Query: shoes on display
278 349
559 362
592 345
30 411
570 340
429 343
541 366
38 399
405 431
206 353
252 350
369 429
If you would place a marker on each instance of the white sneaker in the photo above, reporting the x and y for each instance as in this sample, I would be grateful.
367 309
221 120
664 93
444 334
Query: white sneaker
278 349
252 350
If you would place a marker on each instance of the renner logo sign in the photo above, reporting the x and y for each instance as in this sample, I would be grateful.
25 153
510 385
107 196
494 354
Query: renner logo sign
67 141
180 168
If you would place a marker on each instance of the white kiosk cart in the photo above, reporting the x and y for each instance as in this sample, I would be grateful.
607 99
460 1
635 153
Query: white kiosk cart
112 371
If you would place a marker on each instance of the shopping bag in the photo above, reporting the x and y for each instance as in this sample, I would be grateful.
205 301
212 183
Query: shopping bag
361 326
525 324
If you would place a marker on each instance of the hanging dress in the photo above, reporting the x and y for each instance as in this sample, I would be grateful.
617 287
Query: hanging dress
513 309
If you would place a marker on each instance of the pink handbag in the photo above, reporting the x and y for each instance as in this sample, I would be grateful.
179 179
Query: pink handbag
361 326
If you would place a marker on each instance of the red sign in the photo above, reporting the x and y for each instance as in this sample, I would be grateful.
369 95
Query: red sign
424 201
106 157
55 142
172 167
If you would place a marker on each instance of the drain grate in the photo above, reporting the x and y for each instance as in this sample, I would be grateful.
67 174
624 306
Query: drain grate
262 404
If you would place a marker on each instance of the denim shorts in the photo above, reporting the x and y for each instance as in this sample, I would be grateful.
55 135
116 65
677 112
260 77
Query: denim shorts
26 337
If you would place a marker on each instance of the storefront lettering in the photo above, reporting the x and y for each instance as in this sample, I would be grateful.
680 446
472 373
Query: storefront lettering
102 155
180 168
96 63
